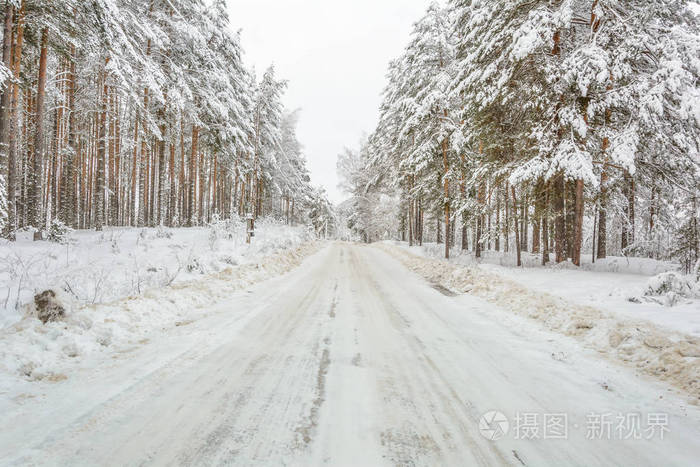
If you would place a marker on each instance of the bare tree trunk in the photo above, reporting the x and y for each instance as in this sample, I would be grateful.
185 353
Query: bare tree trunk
465 234
559 219
153 158
101 156
602 218
447 197
12 128
201 183
193 168
515 223
602 221
35 217
506 223
524 219
161 176
143 171
595 226
631 195
422 221
628 222
172 204
113 218
578 228
135 175
410 223
545 226
7 39
536 236
497 240
68 194
478 240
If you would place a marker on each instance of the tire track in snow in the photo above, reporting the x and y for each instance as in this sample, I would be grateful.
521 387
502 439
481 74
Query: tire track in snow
430 423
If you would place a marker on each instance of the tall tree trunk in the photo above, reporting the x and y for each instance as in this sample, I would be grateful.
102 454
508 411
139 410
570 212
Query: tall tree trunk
524 223
465 234
7 40
410 222
201 185
113 218
119 163
631 195
447 197
602 217
628 222
161 175
143 172
602 221
153 157
545 225
193 169
478 240
421 221
497 239
578 229
559 219
101 201
570 217
68 194
183 188
172 204
135 175
515 223
535 236
35 217
506 223
595 227
12 127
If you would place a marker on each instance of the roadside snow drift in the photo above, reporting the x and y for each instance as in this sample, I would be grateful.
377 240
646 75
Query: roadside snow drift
662 353
36 350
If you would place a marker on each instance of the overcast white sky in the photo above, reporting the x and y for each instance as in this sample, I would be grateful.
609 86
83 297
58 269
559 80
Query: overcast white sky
335 55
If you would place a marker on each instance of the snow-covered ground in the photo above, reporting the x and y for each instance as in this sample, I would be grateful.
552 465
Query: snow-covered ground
349 359
100 267
659 351
122 287
615 284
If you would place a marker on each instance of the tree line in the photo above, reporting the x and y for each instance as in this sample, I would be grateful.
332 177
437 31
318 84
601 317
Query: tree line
140 113
557 127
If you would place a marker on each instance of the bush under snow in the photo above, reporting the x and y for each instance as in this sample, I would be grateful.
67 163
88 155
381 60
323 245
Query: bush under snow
671 287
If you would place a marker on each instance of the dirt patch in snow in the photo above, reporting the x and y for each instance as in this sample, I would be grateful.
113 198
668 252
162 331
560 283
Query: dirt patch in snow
667 355
307 430
48 307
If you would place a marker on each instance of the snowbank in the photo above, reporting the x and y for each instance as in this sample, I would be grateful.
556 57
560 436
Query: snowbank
98 267
616 285
47 351
616 264
662 353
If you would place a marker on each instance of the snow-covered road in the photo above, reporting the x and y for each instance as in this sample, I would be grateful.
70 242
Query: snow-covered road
350 360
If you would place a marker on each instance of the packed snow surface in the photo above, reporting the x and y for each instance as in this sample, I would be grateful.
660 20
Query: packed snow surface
349 359
655 350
